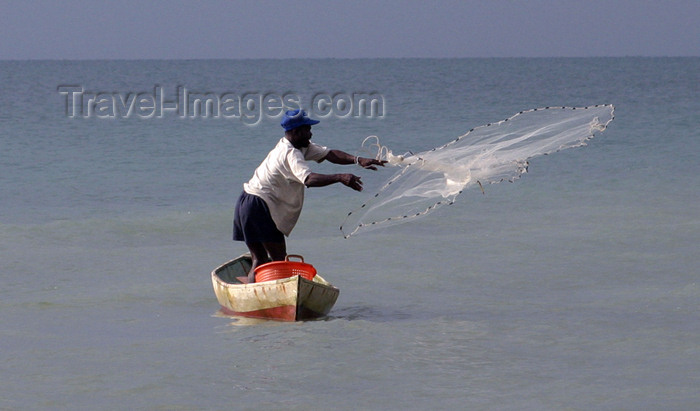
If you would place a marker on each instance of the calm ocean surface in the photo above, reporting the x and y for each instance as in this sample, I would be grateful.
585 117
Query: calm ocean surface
576 287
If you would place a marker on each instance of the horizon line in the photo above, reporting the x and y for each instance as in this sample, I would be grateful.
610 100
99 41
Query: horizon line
341 58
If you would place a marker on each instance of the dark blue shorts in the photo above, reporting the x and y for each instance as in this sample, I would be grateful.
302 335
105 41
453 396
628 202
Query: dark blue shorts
252 222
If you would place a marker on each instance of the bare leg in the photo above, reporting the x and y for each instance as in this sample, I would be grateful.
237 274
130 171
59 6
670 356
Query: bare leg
276 251
259 256
262 253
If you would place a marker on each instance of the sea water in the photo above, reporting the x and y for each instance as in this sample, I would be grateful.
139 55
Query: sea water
576 287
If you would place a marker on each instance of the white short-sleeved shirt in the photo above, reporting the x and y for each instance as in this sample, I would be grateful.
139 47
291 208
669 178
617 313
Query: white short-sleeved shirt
279 180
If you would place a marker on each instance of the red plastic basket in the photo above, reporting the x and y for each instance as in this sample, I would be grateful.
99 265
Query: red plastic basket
277 270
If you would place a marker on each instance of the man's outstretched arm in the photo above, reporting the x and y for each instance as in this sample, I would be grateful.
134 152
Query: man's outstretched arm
321 180
341 157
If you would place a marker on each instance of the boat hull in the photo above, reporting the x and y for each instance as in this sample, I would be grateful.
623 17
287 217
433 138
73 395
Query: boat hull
289 299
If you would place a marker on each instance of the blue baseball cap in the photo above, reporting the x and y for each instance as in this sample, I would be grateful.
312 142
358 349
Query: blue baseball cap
296 118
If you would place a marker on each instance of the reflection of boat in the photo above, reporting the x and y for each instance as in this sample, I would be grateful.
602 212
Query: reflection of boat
288 299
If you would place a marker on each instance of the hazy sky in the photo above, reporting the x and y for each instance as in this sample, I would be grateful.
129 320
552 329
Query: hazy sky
128 29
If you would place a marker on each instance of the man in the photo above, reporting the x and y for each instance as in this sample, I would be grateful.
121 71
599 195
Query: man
271 201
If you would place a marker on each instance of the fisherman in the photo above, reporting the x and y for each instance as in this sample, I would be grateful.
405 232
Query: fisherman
269 206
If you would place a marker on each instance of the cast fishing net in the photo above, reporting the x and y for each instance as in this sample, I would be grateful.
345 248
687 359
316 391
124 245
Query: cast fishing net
487 154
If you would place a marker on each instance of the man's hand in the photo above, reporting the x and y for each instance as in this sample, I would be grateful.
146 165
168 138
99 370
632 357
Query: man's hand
370 163
351 181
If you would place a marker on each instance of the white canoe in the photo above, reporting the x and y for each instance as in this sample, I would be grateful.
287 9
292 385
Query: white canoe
289 299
